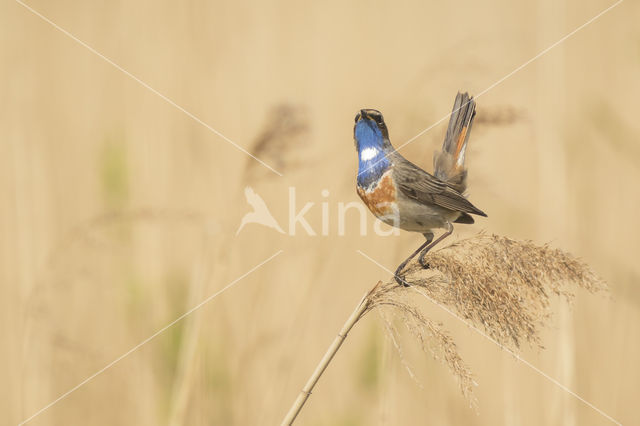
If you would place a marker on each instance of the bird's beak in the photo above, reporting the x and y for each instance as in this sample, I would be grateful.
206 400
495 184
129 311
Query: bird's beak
363 114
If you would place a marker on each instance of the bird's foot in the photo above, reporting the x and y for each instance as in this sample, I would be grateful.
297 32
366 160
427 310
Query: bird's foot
424 263
400 279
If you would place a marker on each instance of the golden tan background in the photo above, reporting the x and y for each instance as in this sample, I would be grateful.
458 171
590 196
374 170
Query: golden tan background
118 212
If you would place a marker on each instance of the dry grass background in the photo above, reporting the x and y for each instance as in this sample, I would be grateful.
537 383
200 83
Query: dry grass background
118 212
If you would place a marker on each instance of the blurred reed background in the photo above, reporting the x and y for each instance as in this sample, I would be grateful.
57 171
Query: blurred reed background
119 212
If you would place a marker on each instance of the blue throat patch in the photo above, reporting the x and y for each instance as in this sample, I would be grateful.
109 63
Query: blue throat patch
370 144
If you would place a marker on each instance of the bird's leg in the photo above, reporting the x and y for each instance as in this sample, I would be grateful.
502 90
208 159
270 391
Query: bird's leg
430 246
399 280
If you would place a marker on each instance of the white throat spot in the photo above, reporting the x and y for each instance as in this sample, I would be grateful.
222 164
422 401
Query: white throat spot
368 153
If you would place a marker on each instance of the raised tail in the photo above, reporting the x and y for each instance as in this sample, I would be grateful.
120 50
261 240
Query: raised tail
448 164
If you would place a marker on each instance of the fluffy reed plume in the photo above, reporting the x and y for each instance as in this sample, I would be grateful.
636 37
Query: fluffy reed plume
281 141
497 284
502 285
431 336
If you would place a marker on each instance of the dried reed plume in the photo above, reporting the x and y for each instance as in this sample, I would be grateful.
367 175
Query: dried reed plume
280 141
500 285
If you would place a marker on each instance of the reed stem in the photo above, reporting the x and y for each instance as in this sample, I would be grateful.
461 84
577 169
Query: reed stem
360 310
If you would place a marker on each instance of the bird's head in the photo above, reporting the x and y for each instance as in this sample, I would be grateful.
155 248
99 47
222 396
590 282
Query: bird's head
370 131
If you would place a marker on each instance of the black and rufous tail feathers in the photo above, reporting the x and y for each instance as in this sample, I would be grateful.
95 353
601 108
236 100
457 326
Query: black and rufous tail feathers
448 164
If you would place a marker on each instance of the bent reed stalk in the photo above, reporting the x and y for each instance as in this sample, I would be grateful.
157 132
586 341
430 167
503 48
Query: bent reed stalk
358 313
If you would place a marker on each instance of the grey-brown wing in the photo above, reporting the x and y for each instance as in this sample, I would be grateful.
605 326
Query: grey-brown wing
419 185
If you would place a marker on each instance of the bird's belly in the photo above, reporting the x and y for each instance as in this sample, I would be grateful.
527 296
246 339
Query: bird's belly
393 208
417 217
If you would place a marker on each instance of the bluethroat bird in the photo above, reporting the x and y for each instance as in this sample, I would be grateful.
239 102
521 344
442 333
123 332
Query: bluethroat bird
403 195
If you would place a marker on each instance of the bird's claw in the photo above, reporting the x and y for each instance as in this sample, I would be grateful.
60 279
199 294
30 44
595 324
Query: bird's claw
401 281
424 263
